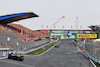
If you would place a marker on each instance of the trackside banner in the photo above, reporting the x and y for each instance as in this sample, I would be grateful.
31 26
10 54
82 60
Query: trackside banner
57 33
86 35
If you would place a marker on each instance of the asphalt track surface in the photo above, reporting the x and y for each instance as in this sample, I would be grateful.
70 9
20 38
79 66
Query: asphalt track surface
67 55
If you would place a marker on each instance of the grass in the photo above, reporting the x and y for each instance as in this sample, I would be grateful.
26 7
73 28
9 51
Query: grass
41 50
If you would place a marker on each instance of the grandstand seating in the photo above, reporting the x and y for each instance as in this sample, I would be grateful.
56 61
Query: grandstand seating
24 34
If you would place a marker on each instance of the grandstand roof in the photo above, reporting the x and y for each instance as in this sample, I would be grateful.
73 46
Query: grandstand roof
15 17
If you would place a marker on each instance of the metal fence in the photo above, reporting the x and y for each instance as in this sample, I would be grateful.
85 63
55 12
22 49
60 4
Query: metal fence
11 41
93 48
7 39
23 46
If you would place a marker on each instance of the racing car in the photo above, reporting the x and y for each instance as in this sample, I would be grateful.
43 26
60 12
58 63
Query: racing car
57 46
16 57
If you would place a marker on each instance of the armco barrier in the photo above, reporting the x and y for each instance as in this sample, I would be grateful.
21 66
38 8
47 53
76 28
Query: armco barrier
34 49
23 46
94 58
5 51
92 51
10 40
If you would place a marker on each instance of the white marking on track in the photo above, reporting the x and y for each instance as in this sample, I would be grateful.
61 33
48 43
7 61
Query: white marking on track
17 63
89 59
92 63
72 52
48 49
3 58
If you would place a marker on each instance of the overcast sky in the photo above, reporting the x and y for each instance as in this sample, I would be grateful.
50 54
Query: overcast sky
49 11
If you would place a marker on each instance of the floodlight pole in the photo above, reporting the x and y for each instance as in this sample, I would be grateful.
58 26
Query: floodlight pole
77 28
26 39
76 23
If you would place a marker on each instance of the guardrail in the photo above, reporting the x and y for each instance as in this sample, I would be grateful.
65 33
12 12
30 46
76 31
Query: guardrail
34 49
91 50
94 58
5 51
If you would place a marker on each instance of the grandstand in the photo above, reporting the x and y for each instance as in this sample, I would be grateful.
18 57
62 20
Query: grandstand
23 34
17 38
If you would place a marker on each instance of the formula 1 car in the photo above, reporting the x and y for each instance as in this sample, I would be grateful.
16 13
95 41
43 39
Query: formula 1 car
57 46
16 57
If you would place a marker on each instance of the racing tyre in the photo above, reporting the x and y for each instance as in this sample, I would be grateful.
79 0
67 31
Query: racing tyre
9 56
18 59
21 59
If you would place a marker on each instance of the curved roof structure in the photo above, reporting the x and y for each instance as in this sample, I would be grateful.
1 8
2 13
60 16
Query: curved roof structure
15 17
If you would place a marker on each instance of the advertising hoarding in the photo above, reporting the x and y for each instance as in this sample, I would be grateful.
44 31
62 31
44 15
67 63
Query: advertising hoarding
86 35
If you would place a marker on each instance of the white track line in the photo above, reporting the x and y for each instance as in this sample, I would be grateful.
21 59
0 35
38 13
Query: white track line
17 63
44 51
72 52
3 58
92 63
49 49
88 58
